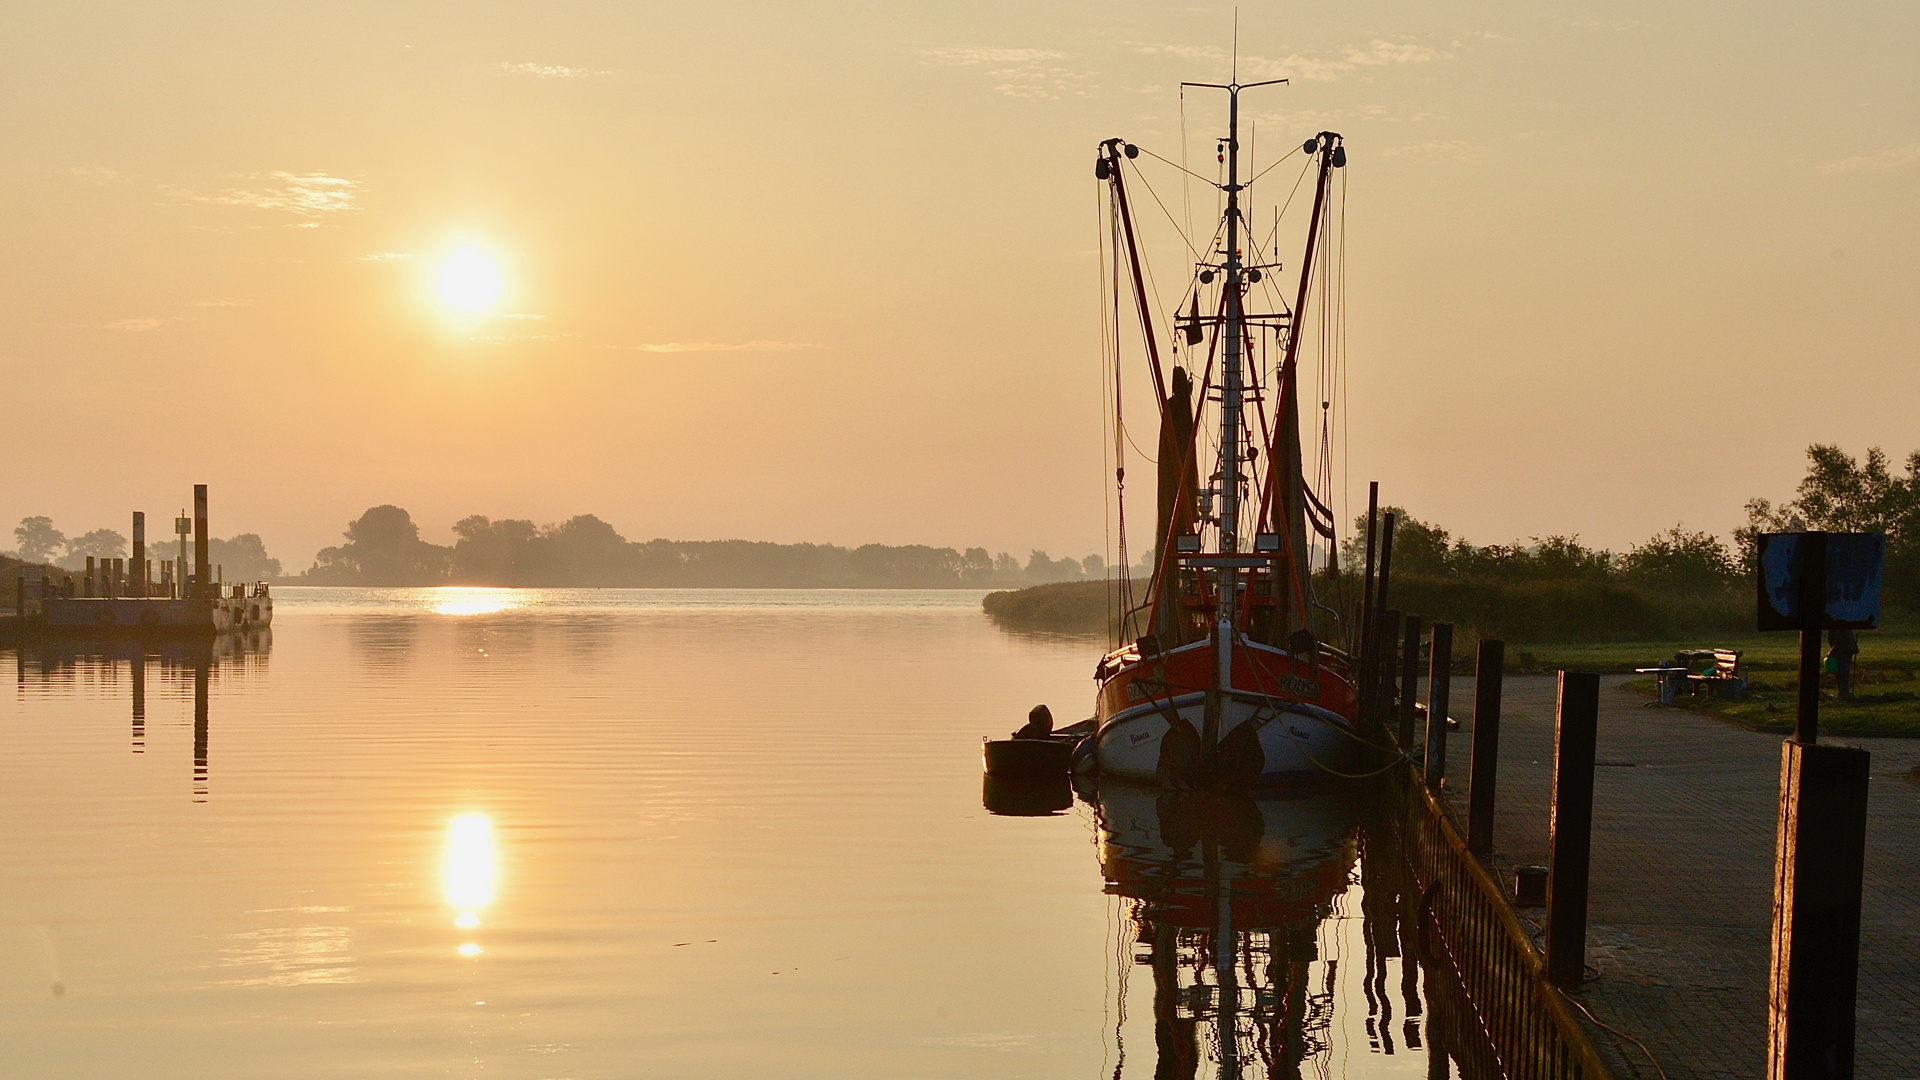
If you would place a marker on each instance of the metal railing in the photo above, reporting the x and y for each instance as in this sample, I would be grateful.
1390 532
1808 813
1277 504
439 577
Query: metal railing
1493 987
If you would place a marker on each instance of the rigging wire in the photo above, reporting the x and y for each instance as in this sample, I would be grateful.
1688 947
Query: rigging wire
1175 164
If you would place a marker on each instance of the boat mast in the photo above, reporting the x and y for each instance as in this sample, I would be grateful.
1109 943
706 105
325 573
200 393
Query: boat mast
1232 387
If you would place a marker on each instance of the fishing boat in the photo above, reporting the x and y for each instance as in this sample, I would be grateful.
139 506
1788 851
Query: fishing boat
1232 667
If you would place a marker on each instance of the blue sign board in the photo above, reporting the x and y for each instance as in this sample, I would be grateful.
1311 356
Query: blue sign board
1852 563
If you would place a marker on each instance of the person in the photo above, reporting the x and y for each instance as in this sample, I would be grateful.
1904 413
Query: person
1039 724
1840 657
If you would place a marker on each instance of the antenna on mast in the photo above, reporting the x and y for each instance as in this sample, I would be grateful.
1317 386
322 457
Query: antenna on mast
1236 44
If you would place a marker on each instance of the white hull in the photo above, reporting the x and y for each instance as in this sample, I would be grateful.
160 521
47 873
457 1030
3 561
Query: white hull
1295 739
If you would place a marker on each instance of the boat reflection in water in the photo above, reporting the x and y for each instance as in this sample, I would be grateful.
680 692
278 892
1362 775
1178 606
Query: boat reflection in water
1227 897
179 667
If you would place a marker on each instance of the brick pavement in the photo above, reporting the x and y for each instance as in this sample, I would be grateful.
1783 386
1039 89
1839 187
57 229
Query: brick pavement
1684 812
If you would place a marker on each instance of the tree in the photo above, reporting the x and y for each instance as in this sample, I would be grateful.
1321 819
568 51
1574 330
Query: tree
100 543
39 541
383 548
1678 560
243 558
1840 494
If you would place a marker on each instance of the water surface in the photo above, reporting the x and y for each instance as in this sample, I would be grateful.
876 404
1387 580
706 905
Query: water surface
610 833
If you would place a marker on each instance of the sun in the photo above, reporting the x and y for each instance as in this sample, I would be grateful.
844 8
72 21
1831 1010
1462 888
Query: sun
469 282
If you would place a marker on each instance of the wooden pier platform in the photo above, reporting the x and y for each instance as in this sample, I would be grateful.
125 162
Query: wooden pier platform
1683 849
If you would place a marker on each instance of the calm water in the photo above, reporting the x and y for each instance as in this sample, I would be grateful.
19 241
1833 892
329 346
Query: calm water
607 833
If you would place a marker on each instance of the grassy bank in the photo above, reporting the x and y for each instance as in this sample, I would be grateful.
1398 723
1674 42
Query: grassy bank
1886 701
1079 608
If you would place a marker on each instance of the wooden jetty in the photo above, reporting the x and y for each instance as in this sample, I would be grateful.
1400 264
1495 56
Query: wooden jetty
122 596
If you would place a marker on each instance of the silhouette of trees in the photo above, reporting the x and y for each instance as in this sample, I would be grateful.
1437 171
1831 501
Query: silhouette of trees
39 541
383 548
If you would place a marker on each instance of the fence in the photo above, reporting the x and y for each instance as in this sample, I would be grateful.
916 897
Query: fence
1504 1014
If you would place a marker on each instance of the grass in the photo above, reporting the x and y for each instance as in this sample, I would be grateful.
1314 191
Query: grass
1886 701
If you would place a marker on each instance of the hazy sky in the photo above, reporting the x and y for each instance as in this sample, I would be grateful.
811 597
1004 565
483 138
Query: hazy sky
827 271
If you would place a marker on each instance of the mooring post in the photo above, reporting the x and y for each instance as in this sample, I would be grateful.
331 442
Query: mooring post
1439 695
1386 633
20 595
1570 838
1819 860
1819 863
136 568
202 583
1410 627
1365 625
1485 764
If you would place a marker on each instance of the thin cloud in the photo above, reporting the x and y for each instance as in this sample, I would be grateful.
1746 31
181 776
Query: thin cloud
308 195
388 256
520 316
138 326
1349 60
1021 73
1885 159
552 71
99 177
968 54
1448 150
719 346
225 301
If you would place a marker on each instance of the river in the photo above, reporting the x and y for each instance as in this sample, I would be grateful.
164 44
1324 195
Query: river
610 833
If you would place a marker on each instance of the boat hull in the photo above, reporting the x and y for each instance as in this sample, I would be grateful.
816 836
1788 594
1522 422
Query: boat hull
1292 739
1281 717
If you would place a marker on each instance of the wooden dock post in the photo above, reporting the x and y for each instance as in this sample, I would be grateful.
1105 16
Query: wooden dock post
88 589
1819 861
1439 695
136 570
1485 763
202 584
1386 633
1570 837
1410 627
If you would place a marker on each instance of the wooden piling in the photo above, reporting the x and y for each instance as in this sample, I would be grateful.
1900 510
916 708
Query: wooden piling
1570 836
1819 860
1410 628
1366 585
202 584
1386 634
136 569
1439 694
1484 766
90 587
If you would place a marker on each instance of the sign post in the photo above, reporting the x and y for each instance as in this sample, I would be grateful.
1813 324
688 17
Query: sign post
1811 582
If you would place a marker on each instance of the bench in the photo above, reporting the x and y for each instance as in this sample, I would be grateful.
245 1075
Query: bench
1719 672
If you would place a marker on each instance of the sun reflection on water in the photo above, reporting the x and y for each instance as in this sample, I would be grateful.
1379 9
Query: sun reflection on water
471 868
457 601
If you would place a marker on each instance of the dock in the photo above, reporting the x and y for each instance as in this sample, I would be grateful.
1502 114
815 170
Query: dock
1685 809
121 596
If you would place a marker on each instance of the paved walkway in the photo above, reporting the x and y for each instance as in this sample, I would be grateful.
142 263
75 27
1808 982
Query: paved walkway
1681 907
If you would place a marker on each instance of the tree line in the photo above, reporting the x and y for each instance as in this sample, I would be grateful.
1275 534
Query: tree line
383 547
241 558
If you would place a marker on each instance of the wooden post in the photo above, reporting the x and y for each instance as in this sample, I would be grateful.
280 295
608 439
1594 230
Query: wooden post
88 591
1819 861
1386 633
1570 837
1410 627
1486 745
1365 626
136 567
1439 694
202 583
20 595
